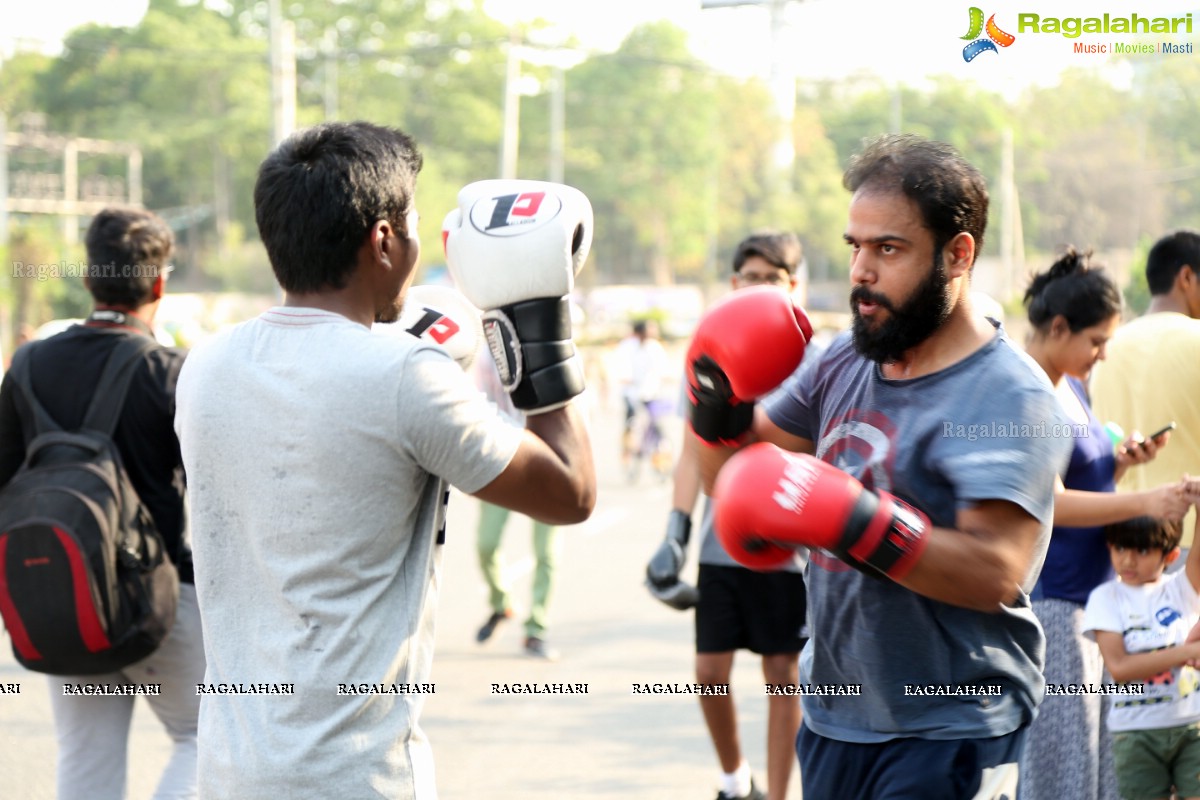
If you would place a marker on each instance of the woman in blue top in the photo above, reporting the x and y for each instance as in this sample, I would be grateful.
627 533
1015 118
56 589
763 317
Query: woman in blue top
1074 307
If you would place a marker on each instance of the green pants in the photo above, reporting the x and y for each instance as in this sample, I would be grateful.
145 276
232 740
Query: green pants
491 528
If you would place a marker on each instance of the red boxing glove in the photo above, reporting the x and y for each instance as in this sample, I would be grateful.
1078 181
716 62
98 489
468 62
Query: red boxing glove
745 346
770 501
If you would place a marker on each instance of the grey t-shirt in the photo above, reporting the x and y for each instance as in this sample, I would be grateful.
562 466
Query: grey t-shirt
987 427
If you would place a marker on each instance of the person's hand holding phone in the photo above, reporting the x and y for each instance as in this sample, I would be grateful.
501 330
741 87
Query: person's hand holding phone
1137 449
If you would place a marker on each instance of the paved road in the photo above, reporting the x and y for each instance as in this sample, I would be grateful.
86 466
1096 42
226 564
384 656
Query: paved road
607 744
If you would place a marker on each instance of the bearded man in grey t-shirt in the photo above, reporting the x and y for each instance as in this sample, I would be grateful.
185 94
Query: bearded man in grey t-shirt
916 458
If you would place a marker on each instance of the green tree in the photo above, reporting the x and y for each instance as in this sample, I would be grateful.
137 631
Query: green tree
1167 112
1080 166
192 94
641 122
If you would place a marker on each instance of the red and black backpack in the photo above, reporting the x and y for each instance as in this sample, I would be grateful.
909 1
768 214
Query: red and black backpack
86 586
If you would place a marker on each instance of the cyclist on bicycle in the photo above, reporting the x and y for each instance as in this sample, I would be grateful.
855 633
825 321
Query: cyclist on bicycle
644 371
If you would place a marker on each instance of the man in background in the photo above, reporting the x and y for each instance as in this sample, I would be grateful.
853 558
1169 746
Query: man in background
739 608
1150 377
129 251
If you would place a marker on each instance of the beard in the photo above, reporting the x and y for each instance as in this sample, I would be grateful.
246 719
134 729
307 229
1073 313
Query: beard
392 312
906 326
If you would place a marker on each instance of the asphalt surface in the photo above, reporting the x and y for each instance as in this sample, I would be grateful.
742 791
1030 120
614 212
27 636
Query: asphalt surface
609 743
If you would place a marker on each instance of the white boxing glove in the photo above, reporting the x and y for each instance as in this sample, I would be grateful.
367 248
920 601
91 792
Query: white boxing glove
441 315
514 248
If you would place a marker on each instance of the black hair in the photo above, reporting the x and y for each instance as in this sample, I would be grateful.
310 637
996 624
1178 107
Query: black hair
127 249
950 193
319 192
1170 254
779 249
1081 292
1144 533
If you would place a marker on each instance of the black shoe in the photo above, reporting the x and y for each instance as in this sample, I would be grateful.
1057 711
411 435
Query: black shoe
538 648
754 794
489 627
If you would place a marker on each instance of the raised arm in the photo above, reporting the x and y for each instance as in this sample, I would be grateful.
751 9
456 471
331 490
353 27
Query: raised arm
552 477
770 502
1191 491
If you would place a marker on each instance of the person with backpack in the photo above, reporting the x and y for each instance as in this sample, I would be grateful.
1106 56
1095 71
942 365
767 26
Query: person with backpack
97 586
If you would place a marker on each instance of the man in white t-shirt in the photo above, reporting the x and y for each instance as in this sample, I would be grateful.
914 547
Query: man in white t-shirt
643 369
319 459
1141 621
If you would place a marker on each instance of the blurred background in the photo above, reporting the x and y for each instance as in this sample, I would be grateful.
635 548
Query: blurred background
688 123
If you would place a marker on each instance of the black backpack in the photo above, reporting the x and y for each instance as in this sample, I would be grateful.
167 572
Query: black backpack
86 586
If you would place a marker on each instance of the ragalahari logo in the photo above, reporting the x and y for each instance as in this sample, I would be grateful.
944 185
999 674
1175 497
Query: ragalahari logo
995 36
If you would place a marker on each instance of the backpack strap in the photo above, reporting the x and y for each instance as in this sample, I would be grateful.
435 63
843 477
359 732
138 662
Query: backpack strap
114 383
37 420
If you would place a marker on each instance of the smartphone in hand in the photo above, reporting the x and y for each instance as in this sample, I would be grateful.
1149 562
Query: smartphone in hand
1170 426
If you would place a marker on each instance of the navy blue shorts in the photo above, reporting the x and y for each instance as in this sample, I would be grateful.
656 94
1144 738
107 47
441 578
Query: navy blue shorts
910 769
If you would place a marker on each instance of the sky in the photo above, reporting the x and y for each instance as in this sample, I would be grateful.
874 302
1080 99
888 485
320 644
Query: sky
904 42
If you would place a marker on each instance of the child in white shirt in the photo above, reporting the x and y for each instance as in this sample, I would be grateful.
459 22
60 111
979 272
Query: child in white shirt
1142 622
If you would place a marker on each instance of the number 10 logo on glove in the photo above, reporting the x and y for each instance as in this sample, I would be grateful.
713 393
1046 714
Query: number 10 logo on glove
514 214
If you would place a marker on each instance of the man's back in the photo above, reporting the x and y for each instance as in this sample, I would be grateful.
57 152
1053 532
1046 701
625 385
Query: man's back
128 258
310 445
1149 378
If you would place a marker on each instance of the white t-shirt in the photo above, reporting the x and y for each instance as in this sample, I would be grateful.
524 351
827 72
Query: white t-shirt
317 458
643 369
1150 617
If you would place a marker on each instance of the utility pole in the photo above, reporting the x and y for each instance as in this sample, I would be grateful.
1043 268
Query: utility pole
511 134
555 88
782 82
283 74
558 118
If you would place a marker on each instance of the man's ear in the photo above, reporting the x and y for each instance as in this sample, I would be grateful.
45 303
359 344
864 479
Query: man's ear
1171 557
958 255
1186 277
378 239
1187 281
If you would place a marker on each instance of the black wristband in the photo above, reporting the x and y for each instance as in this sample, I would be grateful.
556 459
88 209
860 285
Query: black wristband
534 353
721 423
887 534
